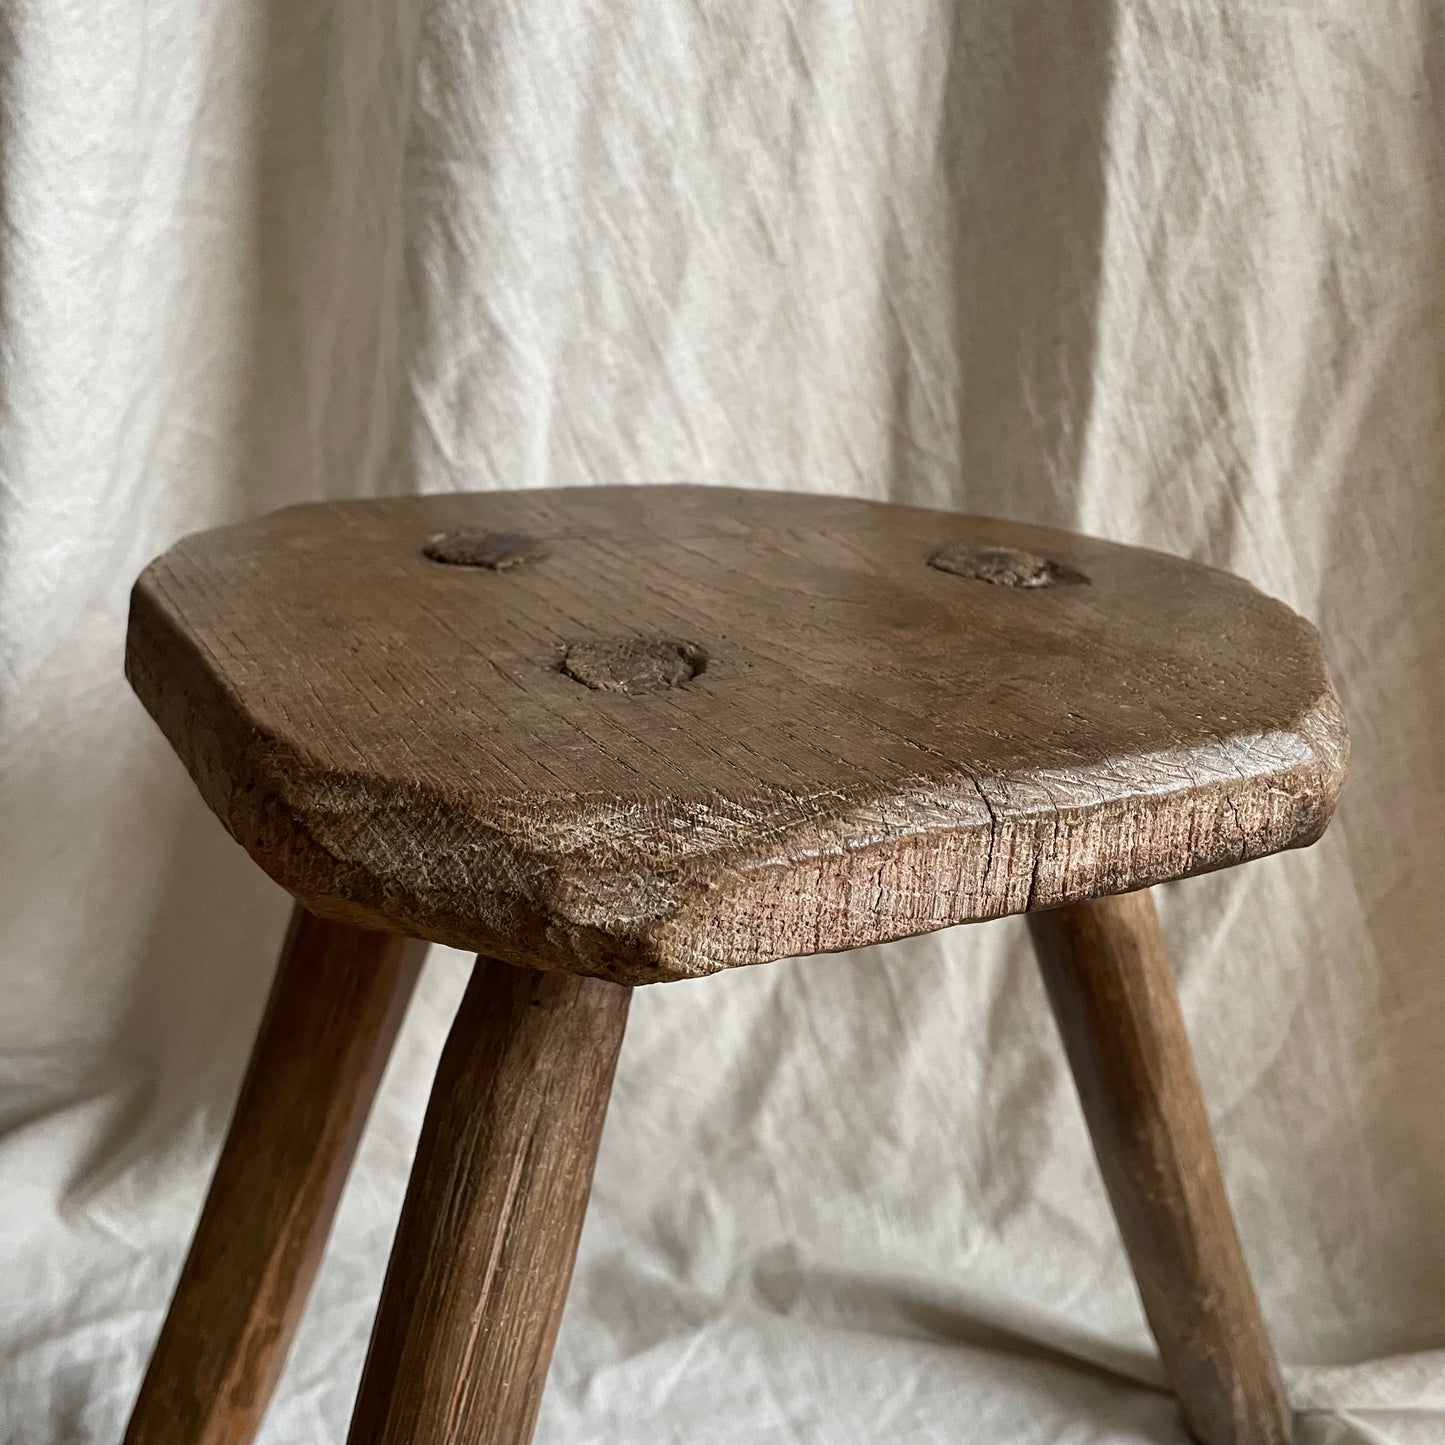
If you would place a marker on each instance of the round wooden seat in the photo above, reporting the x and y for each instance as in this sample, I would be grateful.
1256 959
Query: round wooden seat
649 733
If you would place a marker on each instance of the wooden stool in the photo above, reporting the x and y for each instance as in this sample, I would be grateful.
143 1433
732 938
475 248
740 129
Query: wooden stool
615 736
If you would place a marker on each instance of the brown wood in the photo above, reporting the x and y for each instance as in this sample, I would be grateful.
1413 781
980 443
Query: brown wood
1107 973
337 1002
647 733
488 1233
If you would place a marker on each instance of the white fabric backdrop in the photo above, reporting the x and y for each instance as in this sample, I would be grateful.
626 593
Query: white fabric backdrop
1171 273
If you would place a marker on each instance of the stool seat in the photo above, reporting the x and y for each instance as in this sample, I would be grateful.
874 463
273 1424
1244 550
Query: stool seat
650 733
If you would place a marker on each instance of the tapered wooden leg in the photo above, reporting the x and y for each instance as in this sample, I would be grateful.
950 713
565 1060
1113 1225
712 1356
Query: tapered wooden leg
489 1230
1107 973
334 1009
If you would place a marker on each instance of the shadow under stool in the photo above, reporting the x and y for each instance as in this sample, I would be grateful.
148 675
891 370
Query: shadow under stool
614 736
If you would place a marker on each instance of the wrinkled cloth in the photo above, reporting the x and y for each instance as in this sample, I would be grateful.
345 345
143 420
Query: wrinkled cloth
1173 274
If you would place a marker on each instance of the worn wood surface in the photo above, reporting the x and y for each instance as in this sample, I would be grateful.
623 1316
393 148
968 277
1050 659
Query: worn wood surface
337 1002
483 1254
1107 973
648 733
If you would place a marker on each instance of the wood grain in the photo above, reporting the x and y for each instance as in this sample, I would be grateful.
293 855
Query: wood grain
1108 978
337 1002
484 1251
873 746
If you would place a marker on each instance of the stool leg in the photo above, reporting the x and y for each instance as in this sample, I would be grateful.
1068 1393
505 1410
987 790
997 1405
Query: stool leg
484 1250
335 1006
1107 973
